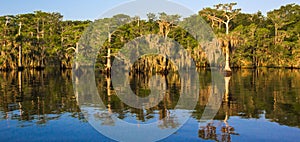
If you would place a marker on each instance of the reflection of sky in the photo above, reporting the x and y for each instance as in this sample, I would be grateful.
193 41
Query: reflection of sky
67 128
91 9
248 130
129 128
263 130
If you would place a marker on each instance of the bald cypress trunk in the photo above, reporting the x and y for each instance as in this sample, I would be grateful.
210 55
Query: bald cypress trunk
20 67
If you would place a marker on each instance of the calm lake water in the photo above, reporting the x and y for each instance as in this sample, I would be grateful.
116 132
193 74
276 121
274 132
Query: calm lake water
261 105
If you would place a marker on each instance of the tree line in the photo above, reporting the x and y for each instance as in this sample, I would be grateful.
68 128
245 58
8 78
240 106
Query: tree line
41 39
37 40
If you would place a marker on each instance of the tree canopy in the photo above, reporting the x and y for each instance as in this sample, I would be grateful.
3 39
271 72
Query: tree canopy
41 39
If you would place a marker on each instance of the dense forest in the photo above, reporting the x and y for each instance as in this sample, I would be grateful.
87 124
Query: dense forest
41 39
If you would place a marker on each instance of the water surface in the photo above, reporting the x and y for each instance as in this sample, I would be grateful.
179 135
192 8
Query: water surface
261 105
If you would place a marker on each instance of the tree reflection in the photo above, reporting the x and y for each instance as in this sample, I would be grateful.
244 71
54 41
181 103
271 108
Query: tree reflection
221 131
36 97
139 83
264 93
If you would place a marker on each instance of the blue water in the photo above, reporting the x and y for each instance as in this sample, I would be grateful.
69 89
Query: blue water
47 111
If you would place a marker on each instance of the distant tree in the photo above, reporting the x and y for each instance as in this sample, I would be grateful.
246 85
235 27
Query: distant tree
166 22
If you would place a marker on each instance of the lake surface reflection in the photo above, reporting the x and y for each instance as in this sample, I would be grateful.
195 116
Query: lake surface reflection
259 105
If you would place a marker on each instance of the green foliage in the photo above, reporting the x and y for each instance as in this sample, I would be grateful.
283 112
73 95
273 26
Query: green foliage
44 38
255 40
259 41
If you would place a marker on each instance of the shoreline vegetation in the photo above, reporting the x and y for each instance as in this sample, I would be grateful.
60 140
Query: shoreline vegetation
40 39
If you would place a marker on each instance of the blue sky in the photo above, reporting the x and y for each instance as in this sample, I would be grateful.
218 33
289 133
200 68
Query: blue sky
91 9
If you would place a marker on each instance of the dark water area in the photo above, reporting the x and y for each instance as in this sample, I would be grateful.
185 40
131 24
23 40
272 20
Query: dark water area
259 105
